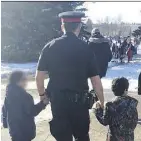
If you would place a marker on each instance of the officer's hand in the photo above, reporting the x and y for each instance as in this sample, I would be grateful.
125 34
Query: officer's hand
96 105
46 100
101 104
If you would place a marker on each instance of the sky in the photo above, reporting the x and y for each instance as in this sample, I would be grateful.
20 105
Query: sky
126 11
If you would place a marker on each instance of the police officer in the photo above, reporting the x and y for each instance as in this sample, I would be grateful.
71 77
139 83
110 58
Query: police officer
69 64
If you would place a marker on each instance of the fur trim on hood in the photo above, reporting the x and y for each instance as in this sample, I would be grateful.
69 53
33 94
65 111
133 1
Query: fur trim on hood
98 40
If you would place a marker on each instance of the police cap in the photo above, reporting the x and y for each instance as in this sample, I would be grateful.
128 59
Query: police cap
71 16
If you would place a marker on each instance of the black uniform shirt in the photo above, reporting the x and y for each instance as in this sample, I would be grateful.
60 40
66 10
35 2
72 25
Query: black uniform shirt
69 63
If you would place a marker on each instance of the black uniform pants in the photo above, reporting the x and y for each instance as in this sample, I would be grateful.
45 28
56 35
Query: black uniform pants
70 118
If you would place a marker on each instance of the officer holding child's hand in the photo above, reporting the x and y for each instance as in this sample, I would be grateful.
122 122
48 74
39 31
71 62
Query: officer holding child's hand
69 63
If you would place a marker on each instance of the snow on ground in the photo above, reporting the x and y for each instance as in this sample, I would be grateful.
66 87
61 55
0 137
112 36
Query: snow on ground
130 71
6 68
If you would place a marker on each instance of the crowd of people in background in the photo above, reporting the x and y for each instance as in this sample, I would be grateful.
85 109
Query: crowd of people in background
108 49
121 47
124 46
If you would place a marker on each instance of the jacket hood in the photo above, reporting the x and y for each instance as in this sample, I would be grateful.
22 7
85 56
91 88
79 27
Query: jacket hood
121 108
98 38
123 105
127 104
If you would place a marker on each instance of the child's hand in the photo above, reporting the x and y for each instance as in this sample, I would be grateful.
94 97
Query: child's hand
96 105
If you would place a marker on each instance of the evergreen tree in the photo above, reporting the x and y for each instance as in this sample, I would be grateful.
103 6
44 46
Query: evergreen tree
27 26
137 32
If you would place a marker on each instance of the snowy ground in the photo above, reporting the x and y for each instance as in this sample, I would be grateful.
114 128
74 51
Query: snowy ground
130 71
29 68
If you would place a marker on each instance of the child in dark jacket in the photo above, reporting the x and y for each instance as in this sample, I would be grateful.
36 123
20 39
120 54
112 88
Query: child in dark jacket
120 114
19 109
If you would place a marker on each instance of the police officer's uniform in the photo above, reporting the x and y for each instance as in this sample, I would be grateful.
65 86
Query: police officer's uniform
69 63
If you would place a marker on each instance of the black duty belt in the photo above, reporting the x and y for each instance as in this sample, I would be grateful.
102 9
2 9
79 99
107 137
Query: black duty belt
85 97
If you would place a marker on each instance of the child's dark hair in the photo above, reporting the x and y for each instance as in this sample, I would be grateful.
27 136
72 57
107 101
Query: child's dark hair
15 77
119 85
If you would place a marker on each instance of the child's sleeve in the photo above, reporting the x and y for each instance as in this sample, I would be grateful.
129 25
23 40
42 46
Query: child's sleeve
31 108
102 115
37 108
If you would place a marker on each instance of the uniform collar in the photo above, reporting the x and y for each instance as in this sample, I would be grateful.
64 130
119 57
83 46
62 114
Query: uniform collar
70 34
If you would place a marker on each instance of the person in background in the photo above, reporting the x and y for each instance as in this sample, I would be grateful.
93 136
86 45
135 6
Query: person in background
114 50
110 41
130 51
101 48
135 47
129 54
124 44
122 50
139 84
137 43
119 49
119 40
120 114
19 110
